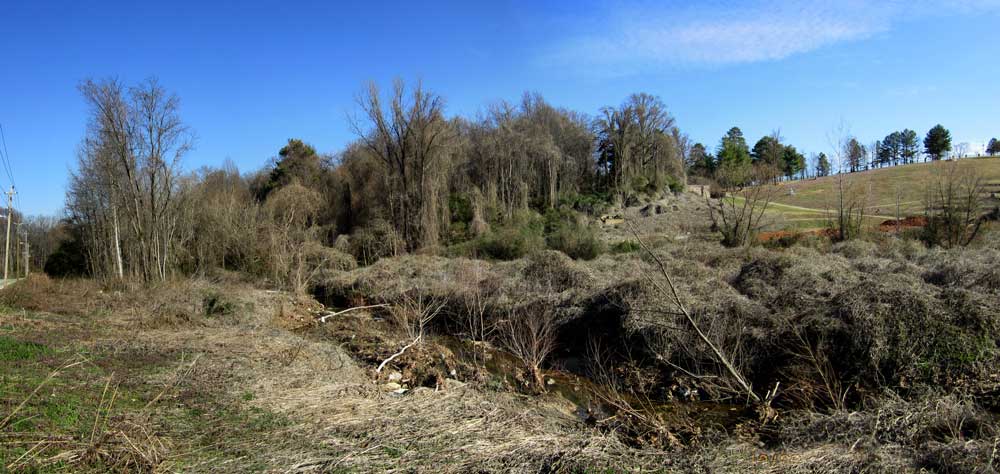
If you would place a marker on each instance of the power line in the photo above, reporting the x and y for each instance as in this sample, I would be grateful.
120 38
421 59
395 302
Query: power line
8 167
6 160
3 153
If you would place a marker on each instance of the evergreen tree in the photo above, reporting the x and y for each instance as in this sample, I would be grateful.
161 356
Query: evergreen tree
994 147
702 162
794 162
768 150
892 151
909 146
855 155
733 150
822 165
937 144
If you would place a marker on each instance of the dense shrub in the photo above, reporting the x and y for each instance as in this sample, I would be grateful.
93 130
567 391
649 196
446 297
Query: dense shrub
625 246
69 260
895 331
565 232
555 270
519 237
593 204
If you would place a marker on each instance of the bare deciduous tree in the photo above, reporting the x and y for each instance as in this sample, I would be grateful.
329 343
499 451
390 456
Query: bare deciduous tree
126 187
411 138
953 205
639 139
740 213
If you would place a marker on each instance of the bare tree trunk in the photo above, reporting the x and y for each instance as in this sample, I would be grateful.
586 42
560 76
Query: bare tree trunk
118 247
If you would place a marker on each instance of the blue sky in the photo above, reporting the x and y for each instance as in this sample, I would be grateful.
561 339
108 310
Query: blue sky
252 74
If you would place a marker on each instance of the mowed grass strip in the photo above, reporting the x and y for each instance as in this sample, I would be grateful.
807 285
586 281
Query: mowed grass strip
908 183
812 203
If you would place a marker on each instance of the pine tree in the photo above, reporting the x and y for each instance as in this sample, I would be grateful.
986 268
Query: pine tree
909 146
994 147
937 144
822 165
733 150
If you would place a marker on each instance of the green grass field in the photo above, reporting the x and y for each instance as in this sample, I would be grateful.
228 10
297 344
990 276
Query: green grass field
807 204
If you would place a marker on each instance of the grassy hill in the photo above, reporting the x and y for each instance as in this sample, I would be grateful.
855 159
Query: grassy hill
805 204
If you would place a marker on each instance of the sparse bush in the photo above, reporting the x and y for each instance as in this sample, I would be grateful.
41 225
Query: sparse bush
376 240
739 215
954 207
530 335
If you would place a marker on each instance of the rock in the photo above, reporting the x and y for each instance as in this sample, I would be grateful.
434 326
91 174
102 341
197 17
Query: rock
550 382
392 386
395 377
452 384
399 391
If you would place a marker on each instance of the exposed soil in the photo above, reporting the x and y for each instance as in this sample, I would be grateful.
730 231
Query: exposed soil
910 222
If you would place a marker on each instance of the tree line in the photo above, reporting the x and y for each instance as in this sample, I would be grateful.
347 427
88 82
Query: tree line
414 178
772 159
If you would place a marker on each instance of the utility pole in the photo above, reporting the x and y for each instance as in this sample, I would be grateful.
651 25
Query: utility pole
18 250
27 255
10 217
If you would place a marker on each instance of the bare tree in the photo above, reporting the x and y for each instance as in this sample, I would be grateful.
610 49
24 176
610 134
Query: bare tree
954 205
740 213
639 139
126 186
530 335
294 255
850 206
850 193
529 154
411 139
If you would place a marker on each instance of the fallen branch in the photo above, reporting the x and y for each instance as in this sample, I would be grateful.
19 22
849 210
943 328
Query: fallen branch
401 351
687 315
323 318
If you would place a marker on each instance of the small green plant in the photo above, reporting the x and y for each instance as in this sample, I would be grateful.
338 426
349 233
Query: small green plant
12 349
625 246
215 304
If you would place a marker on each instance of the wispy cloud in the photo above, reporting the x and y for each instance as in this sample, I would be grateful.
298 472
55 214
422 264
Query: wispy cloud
719 33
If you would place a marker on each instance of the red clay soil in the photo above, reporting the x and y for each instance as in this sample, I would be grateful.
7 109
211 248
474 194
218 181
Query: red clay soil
906 223
886 226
